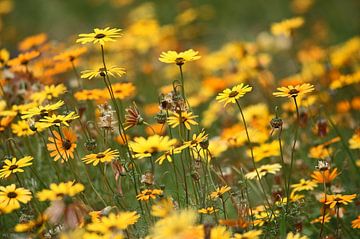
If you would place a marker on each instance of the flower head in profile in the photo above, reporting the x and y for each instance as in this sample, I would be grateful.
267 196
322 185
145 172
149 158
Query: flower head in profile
59 120
264 170
219 192
58 191
304 185
11 197
100 36
146 147
15 166
356 223
113 71
337 199
325 176
287 26
233 94
49 93
102 157
207 210
186 118
41 111
23 59
114 222
294 91
253 234
146 194
179 58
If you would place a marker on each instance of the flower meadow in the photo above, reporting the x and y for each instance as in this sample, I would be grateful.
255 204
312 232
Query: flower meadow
136 130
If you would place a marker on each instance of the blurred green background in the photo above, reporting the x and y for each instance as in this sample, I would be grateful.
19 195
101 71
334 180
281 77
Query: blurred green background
232 19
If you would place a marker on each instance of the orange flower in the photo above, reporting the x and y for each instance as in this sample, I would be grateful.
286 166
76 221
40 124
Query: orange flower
337 199
23 59
32 42
356 223
62 146
327 176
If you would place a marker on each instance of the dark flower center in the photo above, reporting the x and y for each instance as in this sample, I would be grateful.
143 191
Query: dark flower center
233 93
66 144
100 35
99 156
12 167
179 61
57 121
294 92
12 195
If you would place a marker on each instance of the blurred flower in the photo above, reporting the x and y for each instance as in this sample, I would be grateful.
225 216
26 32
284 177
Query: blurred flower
231 95
59 191
48 93
253 234
102 157
304 185
168 155
100 36
23 59
356 223
142 147
162 208
62 145
114 222
265 150
294 91
41 110
291 235
37 225
70 54
58 120
286 27
32 42
326 218
179 58
264 170
15 166
4 57
354 141
11 197
208 210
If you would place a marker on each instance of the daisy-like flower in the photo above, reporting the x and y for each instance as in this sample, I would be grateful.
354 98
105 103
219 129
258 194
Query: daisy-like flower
102 157
354 141
168 155
208 210
122 91
146 194
196 140
264 170
219 192
322 218
179 58
4 122
326 176
58 120
11 197
253 234
294 91
49 93
132 117
23 59
21 128
94 94
186 118
287 26
15 166
291 235
142 147
32 42
71 54
62 146
162 208
58 191
100 36
231 95
304 185
37 224
356 223
113 71
337 199
113 223
41 110
4 57
265 150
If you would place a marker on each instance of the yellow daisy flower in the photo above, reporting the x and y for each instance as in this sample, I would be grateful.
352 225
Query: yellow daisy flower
208 210
100 36
58 191
231 95
41 110
15 166
286 27
179 58
186 118
294 91
303 185
11 197
103 157
142 147
111 71
146 194
219 192
58 120
264 170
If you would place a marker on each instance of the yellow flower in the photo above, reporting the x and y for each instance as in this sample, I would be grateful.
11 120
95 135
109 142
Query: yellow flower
322 218
162 208
100 36
179 58
337 199
304 185
186 118
219 232
265 150
253 234
103 157
111 71
122 90
4 57
263 170
231 95
196 140
294 91
21 128
326 176
15 166
219 192
114 222
142 147
356 223
62 146
41 110
208 210
58 120
58 191
168 155
11 197
48 93
354 141
37 224
146 194
286 27
291 235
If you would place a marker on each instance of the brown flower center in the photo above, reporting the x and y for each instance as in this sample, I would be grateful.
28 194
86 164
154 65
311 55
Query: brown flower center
99 156
100 35
179 61
12 167
66 144
12 195
294 92
233 94
57 121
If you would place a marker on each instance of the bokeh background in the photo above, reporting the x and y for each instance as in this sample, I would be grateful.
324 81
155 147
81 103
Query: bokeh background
332 21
